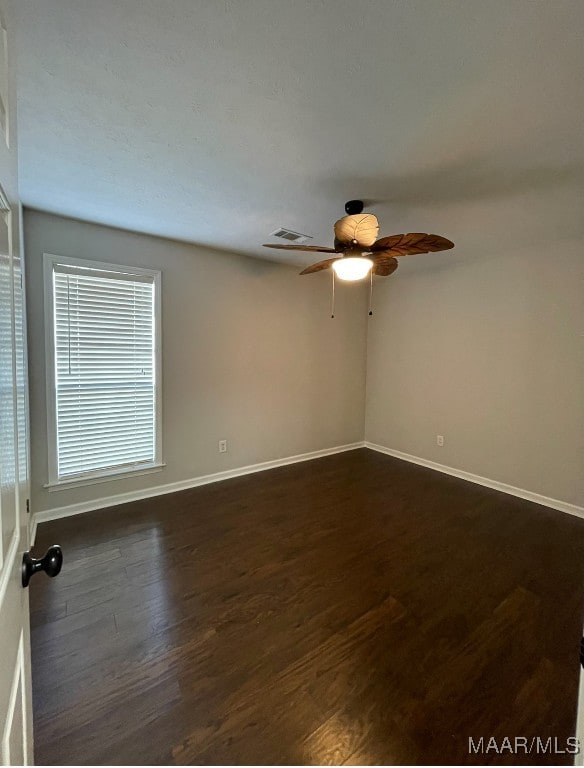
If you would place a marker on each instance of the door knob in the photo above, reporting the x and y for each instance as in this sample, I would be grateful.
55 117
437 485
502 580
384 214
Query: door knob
51 564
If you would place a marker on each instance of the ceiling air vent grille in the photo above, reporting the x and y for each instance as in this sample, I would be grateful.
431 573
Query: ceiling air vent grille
290 236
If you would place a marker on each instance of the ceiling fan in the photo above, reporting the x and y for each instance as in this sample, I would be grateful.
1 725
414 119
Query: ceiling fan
359 251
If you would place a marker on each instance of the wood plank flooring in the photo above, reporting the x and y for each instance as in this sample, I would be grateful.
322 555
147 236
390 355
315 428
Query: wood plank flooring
352 609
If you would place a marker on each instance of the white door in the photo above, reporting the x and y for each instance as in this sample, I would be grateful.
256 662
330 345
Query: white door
15 690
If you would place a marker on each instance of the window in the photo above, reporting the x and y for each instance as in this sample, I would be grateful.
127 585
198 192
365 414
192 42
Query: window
103 369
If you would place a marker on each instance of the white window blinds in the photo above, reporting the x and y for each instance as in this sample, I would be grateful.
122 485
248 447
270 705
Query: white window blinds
105 370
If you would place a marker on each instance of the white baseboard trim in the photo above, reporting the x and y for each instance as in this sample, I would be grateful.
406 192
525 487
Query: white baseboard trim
159 490
545 501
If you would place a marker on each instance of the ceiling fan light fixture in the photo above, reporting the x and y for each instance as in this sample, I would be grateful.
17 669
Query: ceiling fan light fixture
351 268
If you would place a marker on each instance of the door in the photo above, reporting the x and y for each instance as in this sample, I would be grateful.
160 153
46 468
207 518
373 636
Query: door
15 686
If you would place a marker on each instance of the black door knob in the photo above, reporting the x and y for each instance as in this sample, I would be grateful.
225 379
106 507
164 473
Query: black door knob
51 564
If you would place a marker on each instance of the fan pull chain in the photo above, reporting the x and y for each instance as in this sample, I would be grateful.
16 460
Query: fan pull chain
370 292
333 296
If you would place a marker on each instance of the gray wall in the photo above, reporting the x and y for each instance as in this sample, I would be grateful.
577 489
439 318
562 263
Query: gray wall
250 354
484 344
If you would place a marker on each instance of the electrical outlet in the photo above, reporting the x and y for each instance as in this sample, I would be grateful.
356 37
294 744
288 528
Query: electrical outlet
440 440
222 446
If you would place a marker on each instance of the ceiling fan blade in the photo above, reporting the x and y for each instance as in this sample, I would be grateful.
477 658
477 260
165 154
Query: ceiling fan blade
319 248
413 242
385 267
320 265
360 229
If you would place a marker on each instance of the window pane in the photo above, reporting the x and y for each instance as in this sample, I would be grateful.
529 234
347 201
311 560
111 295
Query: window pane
104 370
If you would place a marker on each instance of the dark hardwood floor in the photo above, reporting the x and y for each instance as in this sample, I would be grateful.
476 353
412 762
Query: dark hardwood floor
352 609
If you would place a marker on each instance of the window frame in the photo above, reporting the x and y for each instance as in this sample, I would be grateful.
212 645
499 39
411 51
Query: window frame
110 473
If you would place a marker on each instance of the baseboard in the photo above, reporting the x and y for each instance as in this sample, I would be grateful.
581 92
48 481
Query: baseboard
159 490
537 498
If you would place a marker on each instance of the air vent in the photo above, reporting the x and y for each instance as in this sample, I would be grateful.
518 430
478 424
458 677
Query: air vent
290 236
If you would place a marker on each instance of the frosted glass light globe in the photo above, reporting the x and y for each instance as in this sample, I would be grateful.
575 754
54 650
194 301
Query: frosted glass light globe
352 267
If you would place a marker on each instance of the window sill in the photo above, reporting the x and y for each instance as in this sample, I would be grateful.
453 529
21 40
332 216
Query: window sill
122 474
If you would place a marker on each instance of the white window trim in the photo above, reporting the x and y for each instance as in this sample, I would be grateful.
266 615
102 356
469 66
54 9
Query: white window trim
115 473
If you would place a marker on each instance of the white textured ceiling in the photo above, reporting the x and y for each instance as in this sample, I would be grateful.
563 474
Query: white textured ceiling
216 121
